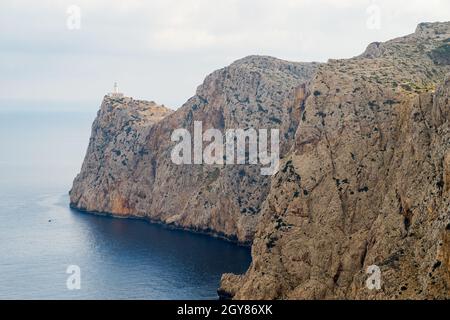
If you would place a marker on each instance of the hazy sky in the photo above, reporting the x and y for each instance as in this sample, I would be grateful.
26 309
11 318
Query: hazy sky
162 49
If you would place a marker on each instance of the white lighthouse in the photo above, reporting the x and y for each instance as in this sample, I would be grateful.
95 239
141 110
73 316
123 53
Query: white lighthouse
115 93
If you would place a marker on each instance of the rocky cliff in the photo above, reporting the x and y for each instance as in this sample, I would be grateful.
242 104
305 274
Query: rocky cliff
365 183
364 178
128 169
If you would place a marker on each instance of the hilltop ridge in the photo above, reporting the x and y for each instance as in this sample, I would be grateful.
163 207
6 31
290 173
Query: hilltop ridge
364 176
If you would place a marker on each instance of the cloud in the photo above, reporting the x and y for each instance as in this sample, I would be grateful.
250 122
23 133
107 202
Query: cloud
162 49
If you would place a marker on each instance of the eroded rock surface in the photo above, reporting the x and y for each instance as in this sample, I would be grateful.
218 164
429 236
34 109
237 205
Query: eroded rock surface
364 179
365 183
128 169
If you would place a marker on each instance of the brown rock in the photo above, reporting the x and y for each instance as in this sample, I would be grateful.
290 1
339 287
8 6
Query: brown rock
128 168
364 184
364 178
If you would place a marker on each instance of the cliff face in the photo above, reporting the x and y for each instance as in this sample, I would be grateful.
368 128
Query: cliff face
128 169
364 178
365 183
115 149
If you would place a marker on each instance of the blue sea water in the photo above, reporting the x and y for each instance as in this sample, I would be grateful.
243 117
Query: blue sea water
40 236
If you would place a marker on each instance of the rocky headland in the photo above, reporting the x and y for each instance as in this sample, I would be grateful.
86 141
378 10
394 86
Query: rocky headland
364 176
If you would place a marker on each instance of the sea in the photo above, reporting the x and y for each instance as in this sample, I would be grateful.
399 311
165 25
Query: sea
49 251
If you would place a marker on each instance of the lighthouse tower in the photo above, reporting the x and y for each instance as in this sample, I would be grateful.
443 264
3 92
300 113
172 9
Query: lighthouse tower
115 93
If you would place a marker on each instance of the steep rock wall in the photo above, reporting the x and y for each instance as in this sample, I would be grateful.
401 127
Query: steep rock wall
254 92
365 183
